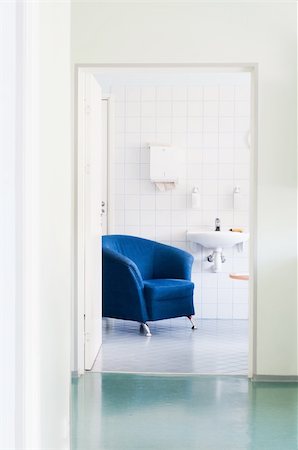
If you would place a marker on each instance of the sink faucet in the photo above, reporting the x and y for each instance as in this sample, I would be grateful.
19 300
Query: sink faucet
217 224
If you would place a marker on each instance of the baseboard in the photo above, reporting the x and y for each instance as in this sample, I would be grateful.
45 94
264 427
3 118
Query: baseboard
276 378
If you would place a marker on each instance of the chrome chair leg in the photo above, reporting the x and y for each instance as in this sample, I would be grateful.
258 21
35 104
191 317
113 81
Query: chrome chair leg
144 327
192 323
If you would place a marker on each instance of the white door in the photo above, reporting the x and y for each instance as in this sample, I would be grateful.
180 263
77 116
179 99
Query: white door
93 221
104 165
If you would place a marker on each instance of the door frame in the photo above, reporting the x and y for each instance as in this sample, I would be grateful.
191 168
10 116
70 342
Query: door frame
110 160
78 310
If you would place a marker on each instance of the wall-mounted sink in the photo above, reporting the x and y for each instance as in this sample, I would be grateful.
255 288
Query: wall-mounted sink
217 241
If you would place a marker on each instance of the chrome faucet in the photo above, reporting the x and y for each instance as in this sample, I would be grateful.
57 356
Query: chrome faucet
217 224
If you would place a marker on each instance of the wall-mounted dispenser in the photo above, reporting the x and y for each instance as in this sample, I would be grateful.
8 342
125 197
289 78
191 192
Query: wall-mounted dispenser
164 168
195 198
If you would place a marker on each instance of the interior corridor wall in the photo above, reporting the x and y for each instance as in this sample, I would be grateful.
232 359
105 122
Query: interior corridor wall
47 227
263 33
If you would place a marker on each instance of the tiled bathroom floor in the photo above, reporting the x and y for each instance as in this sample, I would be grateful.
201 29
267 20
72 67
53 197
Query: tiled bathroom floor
216 347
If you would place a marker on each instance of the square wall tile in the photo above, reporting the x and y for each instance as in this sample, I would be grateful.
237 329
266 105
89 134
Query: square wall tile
147 203
226 109
163 233
148 109
225 311
163 218
179 124
132 155
148 93
132 171
209 311
226 125
119 93
226 155
179 202
132 202
133 93
119 186
147 187
195 140
227 93
148 218
133 109
195 93
132 217
195 109
210 140
242 93
163 109
195 155
211 109
119 109
179 109
210 187
132 187
210 156
178 234
132 140
163 93
144 171
242 108
148 124
148 232
163 124
226 171
120 125
195 124
163 203
132 230
211 93
240 311
179 93
132 124
179 218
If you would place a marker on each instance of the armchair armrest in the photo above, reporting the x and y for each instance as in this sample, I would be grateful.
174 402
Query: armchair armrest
122 288
171 262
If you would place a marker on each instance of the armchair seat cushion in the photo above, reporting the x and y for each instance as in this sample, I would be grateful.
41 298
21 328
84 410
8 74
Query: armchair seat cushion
167 289
168 298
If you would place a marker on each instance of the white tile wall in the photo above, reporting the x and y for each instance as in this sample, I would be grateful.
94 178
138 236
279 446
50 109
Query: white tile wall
210 124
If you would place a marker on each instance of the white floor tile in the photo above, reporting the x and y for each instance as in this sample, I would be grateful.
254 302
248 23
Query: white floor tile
216 347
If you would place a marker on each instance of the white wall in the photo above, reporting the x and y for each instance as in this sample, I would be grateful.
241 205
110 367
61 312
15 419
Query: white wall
8 224
54 223
47 226
263 33
206 116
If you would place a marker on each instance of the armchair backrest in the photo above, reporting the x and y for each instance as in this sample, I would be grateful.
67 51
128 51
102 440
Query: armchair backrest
140 251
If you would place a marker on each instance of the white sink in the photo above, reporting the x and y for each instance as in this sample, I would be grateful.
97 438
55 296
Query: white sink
217 239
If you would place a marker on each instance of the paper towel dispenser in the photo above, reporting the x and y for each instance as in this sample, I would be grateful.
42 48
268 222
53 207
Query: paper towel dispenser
164 168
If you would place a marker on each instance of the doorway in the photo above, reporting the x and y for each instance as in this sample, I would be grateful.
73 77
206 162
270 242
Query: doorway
134 192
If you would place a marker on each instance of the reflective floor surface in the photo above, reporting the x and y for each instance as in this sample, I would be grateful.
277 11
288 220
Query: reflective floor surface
216 347
158 412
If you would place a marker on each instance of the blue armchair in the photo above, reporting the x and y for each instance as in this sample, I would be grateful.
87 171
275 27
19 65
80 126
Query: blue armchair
145 281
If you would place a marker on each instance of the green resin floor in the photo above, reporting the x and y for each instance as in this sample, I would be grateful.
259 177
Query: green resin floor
113 411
